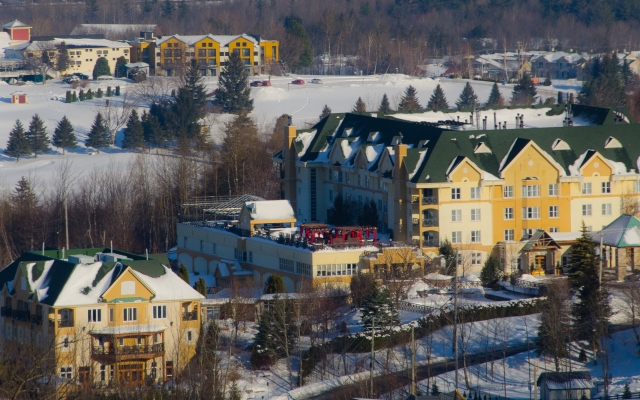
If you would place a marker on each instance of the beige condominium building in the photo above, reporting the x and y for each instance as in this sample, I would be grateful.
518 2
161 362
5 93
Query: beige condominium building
105 317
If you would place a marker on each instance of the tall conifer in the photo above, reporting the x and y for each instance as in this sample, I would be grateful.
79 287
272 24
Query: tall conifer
409 101
495 97
63 135
438 101
385 107
18 144
37 135
98 137
468 99
133 133
234 93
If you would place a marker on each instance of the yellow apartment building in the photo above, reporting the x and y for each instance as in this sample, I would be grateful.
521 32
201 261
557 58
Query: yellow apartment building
107 318
212 53
479 189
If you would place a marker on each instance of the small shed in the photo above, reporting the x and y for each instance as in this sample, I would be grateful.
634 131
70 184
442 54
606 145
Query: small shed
564 385
19 98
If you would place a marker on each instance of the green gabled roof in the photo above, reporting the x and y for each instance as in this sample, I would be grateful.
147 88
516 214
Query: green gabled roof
624 231
152 268
580 140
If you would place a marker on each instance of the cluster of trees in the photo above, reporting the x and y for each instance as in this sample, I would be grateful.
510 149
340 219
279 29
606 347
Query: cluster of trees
607 82
346 211
367 29
587 318
72 96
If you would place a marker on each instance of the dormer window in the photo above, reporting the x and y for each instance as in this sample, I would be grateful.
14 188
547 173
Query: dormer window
560 144
612 143
482 148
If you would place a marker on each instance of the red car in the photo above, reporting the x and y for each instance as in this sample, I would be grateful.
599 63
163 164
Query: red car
266 83
298 82
255 83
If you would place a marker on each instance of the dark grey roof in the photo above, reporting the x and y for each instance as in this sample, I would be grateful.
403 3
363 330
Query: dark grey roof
563 377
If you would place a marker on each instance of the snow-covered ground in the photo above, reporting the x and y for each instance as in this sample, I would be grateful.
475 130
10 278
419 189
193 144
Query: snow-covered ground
624 366
304 102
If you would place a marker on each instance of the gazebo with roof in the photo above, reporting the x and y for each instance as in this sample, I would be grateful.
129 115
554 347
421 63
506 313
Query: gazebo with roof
619 241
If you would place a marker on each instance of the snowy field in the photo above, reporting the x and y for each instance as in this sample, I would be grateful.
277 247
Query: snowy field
304 102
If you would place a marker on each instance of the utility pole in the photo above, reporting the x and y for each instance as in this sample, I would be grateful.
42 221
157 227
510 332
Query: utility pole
66 218
373 354
413 362
455 314
535 386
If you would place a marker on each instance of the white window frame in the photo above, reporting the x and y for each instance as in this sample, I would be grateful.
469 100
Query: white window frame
476 236
475 193
509 235
586 188
554 229
456 215
507 192
159 312
529 191
94 315
553 189
606 187
553 211
476 258
530 213
476 214
606 209
130 314
456 237
508 213
587 210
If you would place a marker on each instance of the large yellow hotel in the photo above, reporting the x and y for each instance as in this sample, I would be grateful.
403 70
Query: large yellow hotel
479 189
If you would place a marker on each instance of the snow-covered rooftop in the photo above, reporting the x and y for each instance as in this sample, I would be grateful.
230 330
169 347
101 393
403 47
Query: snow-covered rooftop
270 210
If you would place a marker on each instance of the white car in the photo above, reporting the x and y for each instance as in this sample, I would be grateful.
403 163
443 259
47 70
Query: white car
316 80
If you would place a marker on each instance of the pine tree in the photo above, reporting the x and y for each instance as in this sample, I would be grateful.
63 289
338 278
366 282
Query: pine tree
468 99
81 95
133 133
592 311
409 101
120 70
183 273
627 75
447 252
194 84
37 135
234 93
99 93
98 137
378 308
359 107
68 98
109 92
264 349
495 97
18 144
117 90
434 389
385 107
153 131
89 95
524 93
560 98
438 101
626 393
234 390
63 135
275 284
369 215
167 8
62 59
326 111
201 287
74 97
101 68
491 270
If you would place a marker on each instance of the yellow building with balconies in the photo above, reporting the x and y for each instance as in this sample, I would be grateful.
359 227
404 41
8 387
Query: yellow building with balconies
103 318
211 53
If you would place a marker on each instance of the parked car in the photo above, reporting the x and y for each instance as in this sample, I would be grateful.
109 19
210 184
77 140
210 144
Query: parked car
255 83
298 82
316 80
70 78
266 83
82 76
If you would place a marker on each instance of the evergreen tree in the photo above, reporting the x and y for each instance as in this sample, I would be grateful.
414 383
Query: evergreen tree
98 137
604 85
379 310
434 389
409 101
302 55
99 93
62 59
167 8
468 99
63 135
448 253
74 97
326 111
25 211
560 98
626 393
627 75
234 390
68 98
183 273
89 95
547 82
491 270
437 100
109 92
359 107
194 84
153 131
264 349
275 284
385 107
201 287
101 68
344 211
81 95
37 135
592 310
524 93
120 70
369 215
117 90
234 92
133 133
18 144
554 325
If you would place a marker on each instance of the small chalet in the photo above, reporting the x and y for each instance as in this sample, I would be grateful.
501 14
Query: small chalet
620 239
19 98
18 31
565 385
